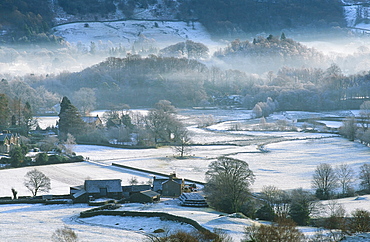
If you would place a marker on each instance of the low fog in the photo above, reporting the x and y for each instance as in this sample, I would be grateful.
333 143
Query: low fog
350 53
151 61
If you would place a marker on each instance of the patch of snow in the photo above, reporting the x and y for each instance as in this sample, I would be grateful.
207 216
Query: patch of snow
128 32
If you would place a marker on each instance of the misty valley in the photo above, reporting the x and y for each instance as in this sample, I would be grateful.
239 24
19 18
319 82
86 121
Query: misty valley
184 120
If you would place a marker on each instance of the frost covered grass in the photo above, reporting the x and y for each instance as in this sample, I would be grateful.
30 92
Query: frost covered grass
289 163
150 33
36 223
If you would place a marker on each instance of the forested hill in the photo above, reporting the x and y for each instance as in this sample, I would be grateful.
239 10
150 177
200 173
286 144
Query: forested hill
22 20
220 16
139 81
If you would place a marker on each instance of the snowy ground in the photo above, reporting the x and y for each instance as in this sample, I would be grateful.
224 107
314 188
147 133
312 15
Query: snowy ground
36 223
288 164
147 33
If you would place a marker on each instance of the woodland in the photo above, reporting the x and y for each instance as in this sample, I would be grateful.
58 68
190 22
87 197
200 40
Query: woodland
31 21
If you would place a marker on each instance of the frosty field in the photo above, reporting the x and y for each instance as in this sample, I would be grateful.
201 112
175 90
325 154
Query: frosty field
287 160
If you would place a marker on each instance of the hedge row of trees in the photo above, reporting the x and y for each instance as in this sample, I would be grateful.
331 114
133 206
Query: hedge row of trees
357 128
326 180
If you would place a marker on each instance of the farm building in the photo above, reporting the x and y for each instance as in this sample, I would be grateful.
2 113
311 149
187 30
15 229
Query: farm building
8 141
93 189
128 190
169 187
147 196
93 121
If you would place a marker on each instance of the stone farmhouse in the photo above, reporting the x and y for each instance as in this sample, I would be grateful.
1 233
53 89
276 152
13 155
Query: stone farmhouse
93 121
169 187
93 189
8 141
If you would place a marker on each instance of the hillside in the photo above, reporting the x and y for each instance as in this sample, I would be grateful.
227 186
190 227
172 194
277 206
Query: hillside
31 21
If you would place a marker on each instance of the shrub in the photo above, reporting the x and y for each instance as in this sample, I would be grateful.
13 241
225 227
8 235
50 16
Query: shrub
283 230
360 221
64 234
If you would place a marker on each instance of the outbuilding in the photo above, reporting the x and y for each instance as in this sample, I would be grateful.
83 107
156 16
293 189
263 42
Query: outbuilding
147 196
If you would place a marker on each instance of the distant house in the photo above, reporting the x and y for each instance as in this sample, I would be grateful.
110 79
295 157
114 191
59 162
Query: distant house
147 196
169 187
93 189
8 141
94 121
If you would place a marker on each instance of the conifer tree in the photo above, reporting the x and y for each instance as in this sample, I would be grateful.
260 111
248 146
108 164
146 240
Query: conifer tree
70 121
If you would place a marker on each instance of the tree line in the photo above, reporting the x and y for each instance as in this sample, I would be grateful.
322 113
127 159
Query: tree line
228 17
187 82
357 128
139 81
32 20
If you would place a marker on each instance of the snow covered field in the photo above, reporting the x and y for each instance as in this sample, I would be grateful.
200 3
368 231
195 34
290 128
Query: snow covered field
148 33
288 164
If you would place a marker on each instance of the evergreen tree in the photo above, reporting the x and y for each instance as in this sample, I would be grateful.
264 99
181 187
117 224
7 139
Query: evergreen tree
70 121
4 111
283 37
28 120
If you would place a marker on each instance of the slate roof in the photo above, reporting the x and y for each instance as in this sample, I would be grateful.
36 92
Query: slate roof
91 120
157 183
149 193
192 200
93 186
3 137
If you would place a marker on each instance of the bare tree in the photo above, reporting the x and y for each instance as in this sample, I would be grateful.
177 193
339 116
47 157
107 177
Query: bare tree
345 175
182 143
69 144
36 181
277 199
228 182
365 176
133 181
324 181
365 115
85 100
335 221
349 128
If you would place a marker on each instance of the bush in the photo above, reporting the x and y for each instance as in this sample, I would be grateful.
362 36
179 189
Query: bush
55 159
195 236
265 213
64 234
283 230
360 221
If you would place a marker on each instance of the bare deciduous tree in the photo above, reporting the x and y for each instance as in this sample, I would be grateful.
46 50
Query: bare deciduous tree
345 175
324 181
36 181
365 115
365 176
349 128
182 143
